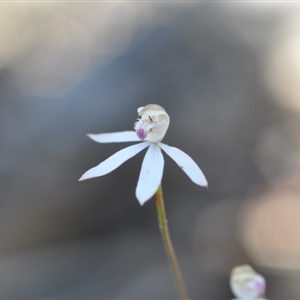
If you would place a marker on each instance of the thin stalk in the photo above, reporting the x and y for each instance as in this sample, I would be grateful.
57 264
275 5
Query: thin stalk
163 225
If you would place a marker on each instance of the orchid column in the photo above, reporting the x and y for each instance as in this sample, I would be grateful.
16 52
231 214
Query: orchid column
150 128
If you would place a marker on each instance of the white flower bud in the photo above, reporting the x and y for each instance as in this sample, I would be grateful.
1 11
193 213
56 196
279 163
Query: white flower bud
153 124
245 283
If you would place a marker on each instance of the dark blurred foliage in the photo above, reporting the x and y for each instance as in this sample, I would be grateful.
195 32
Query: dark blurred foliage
227 74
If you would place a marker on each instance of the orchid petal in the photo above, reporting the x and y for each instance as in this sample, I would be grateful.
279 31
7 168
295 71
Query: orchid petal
114 161
151 174
186 163
115 137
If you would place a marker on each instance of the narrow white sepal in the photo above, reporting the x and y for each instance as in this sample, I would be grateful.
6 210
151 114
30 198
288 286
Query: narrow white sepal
186 163
114 161
151 174
115 137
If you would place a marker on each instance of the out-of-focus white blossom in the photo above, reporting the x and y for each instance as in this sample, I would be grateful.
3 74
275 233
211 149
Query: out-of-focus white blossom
151 129
245 283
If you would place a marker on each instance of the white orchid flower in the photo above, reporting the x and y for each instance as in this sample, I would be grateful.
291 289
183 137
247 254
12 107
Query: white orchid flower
245 283
150 129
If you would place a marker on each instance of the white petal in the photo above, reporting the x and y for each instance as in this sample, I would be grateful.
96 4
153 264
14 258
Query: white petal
151 174
186 163
115 137
114 161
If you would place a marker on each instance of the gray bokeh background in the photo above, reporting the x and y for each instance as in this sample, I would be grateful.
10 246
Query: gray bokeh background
227 74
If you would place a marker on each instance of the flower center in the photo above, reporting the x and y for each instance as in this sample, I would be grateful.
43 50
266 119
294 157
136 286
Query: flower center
143 126
153 123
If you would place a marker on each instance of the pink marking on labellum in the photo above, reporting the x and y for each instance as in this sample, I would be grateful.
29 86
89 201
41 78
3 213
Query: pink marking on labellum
261 287
141 133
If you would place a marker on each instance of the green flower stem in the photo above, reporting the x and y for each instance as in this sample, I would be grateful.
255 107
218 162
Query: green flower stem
163 225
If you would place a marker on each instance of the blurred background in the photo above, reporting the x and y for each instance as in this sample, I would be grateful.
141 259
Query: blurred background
228 74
